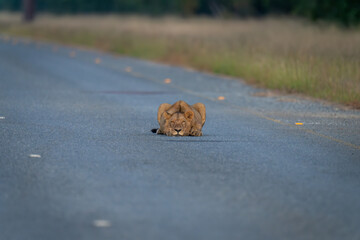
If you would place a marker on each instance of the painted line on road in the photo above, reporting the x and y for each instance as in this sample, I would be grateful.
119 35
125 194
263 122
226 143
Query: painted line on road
97 60
102 223
301 129
332 138
35 155
310 131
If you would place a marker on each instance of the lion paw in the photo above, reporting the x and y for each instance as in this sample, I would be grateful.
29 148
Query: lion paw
195 132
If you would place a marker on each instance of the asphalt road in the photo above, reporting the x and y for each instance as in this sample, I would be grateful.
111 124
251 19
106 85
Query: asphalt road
78 160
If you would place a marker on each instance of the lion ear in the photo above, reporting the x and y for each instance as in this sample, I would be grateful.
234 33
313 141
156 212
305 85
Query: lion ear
166 115
162 108
189 115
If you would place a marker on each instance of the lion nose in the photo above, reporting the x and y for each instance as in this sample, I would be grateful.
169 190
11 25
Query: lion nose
177 130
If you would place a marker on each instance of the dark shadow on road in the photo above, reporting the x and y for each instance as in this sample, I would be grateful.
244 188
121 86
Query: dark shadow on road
205 141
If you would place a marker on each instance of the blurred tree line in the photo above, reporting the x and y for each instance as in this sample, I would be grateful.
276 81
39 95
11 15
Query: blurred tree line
346 12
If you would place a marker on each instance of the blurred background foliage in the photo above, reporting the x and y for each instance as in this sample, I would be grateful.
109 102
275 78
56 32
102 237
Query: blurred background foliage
346 12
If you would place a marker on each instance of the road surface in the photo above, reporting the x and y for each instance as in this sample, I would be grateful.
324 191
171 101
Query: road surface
78 159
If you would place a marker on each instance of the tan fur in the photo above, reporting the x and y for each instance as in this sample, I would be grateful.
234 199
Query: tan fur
181 119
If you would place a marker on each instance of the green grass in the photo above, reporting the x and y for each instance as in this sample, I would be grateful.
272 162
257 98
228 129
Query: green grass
285 54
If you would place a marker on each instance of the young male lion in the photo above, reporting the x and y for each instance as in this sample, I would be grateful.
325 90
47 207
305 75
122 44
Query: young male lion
181 119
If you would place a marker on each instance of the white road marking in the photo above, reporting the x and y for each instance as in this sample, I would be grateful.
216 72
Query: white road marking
34 155
101 223
1 117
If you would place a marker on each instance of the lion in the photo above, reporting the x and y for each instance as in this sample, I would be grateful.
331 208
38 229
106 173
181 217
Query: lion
181 119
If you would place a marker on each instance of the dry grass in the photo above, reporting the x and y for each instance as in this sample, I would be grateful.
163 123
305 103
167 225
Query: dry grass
278 53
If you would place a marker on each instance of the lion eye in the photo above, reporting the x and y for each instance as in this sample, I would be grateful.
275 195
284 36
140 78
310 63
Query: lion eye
172 124
183 124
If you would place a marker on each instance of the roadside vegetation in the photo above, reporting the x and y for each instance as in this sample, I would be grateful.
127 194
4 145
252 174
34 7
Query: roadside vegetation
291 55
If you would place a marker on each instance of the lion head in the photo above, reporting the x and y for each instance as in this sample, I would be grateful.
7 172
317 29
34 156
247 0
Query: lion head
178 123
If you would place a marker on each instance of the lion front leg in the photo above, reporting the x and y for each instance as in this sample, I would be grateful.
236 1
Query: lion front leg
195 132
